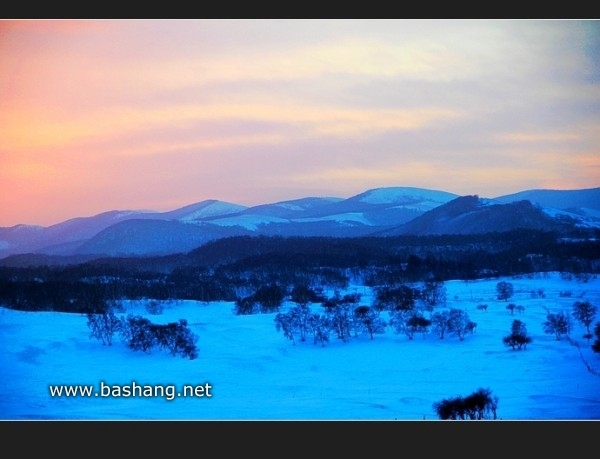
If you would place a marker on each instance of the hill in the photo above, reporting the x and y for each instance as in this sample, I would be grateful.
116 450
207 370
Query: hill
380 211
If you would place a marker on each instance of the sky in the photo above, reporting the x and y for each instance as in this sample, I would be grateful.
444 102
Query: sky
99 115
255 373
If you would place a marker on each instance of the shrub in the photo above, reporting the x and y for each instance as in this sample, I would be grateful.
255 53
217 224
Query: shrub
476 406
142 335
154 307
518 338
245 306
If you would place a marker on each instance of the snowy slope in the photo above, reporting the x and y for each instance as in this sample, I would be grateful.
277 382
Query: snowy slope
202 210
409 197
256 373
581 205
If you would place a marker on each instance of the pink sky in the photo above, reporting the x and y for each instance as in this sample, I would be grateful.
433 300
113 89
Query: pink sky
159 114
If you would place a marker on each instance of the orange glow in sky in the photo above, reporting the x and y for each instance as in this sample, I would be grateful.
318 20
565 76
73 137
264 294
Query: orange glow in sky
98 115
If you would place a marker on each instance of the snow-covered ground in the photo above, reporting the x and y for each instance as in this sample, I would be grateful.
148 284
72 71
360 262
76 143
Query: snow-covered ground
255 373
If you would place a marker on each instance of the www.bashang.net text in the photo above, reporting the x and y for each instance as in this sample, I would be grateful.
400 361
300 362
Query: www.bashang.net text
167 391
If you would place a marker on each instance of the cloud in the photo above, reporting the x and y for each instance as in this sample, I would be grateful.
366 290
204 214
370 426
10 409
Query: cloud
523 137
261 109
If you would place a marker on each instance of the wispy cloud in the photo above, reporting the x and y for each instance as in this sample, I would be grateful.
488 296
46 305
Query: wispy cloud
93 112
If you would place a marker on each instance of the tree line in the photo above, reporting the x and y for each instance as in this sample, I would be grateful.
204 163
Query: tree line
227 269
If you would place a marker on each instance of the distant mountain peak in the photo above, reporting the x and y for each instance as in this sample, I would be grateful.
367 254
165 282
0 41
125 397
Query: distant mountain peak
205 209
378 211
403 195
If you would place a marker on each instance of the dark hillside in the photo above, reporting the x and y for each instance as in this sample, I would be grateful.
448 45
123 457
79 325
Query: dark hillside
471 215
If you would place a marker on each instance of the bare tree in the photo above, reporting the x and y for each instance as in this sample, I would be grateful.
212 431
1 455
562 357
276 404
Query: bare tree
518 338
320 327
409 323
505 290
285 322
440 323
299 317
596 343
585 313
103 326
459 323
176 337
340 316
137 333
557 324
433 293
368 319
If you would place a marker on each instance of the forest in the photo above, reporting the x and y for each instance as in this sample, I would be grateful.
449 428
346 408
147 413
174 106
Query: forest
235 268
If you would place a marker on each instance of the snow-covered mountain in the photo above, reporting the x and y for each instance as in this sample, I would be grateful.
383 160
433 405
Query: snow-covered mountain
358 215
136 232
379 211
582 206
202 210
472 215
72 236
580 202
63 237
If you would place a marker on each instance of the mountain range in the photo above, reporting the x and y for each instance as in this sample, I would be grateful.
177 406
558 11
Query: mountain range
385 211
